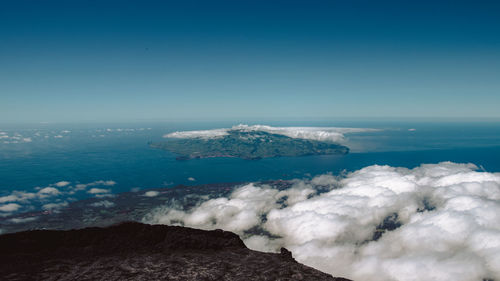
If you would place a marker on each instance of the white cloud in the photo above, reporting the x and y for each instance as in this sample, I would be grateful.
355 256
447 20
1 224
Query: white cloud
151 193
45 195
104 203
11 207
331 134
62 183
239 212
205 134
81 186
449 216
23 220
9 198
48 191
325 180
104 195
16 138
18 196
122 130
54 206
98 190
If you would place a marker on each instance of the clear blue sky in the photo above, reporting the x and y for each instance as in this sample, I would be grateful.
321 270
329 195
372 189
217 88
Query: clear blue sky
65 61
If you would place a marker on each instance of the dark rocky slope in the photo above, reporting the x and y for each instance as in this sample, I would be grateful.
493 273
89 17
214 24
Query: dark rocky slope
135 251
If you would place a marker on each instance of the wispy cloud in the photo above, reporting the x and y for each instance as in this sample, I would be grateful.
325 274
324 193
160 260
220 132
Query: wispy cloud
104 203
54 206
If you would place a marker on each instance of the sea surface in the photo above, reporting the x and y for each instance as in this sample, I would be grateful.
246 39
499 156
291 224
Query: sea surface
40 155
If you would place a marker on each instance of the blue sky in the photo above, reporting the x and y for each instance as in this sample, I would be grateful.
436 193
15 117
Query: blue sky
71 61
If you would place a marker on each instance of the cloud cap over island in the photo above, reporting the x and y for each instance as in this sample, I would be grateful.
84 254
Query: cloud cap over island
327 134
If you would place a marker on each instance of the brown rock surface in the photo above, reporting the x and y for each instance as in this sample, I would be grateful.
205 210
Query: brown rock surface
135 251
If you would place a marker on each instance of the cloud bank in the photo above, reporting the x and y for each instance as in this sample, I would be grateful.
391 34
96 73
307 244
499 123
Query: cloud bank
433 222
330 134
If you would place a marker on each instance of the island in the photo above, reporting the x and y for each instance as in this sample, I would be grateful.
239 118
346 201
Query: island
248 145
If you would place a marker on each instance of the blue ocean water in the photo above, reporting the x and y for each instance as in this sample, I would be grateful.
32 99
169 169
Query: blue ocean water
39 155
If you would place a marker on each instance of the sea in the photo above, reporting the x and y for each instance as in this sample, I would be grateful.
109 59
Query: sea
33 156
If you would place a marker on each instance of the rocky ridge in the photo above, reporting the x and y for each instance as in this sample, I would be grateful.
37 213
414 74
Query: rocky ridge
135 251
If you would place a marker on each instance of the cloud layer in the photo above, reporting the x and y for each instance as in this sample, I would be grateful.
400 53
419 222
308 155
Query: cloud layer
13 137
331 134
50 198
433 222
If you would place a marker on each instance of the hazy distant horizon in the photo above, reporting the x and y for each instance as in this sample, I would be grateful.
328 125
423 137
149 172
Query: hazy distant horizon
263 121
